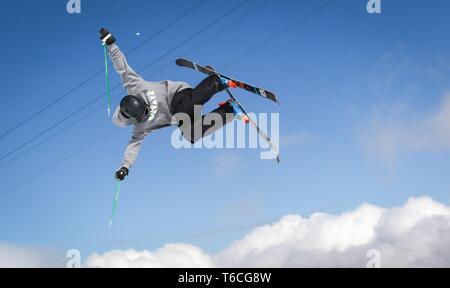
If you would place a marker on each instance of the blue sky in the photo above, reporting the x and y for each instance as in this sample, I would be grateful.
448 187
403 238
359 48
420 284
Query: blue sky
337 71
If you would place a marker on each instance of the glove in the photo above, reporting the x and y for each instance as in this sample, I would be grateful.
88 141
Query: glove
121 173
106 37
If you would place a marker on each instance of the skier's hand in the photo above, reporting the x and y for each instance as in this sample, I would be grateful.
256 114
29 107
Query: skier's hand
121 173
106 37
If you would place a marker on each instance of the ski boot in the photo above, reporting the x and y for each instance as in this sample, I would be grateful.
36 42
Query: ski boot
225 82
237 110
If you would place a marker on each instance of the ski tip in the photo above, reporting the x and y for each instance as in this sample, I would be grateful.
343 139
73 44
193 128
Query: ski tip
180 61
276 100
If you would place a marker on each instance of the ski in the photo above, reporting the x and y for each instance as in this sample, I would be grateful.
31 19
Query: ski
253 89
209 71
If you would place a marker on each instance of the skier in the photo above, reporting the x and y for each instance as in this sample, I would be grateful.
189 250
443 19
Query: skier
152 105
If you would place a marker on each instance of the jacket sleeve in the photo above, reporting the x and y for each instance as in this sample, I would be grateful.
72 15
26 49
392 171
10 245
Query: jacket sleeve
133 148
130 79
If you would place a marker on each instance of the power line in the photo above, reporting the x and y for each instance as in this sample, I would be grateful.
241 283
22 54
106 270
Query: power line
93 76
64 129
241 17
59 162
281 32
119 85
199 32
166 27
73 123
96 99
203 235
211 233
261 44
48 129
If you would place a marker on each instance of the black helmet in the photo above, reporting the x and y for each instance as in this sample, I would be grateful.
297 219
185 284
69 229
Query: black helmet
133 107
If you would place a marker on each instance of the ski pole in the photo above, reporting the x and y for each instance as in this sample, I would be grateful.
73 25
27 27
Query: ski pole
105 50
115 202
260 132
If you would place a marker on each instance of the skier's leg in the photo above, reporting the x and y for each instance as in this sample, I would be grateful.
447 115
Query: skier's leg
210 123
182 102
185 102
206 89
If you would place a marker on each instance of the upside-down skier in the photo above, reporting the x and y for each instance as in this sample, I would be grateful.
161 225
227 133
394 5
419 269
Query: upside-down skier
152 105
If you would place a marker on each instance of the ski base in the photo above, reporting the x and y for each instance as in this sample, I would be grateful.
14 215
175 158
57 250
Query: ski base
250 88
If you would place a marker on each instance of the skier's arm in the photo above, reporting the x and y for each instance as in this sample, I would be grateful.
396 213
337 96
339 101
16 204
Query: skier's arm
133 148
130 79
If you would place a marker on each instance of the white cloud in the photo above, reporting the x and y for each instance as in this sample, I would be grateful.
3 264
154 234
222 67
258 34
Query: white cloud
398 131
170 256
388 68
13 256
414 235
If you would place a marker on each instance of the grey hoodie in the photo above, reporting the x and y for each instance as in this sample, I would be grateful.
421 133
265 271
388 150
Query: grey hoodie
158 95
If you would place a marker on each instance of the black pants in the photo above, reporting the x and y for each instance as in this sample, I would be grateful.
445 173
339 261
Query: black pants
185 101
